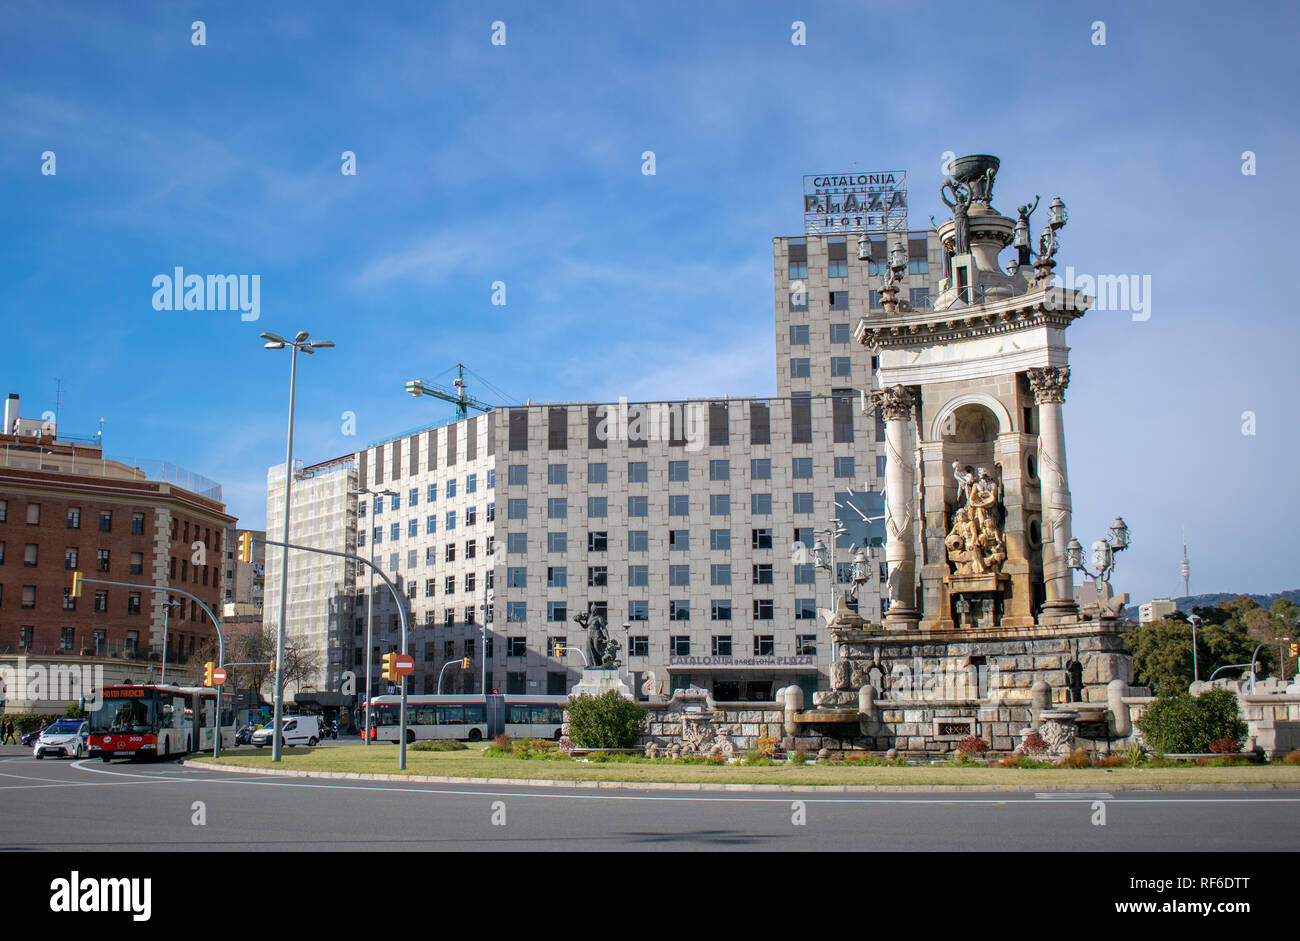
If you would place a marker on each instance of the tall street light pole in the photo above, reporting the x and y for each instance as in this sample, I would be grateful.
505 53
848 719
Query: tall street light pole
167 610
370 608
298 343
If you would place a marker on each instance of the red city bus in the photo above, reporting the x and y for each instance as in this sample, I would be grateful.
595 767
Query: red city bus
154 721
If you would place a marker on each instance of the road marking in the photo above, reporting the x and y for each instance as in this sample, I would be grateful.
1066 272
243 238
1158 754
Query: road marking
1077 796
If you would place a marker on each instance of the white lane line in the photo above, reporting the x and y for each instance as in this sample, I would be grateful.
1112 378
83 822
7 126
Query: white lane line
28 777
1072 795
793 795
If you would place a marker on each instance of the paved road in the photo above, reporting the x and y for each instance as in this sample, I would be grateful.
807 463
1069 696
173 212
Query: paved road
86 805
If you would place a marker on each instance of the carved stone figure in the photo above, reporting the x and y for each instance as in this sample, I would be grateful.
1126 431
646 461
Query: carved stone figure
960 206
975 544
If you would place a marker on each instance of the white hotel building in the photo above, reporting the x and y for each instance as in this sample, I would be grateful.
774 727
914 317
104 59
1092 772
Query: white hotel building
694 543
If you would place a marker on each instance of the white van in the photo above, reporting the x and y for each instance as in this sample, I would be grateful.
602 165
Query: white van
295 730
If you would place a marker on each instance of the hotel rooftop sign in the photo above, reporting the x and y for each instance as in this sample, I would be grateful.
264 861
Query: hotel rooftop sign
836 203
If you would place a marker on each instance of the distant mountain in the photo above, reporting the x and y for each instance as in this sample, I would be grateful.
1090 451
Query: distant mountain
1186 605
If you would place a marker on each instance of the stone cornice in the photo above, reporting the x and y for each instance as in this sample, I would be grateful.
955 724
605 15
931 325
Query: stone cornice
1053 307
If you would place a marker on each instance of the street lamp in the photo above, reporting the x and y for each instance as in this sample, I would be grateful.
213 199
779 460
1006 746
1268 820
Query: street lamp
370 607
1195 620
299 343
167 610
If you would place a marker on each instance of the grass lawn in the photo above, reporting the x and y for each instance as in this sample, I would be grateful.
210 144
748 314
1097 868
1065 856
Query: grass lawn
474 764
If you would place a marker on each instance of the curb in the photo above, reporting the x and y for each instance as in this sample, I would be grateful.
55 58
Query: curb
769 788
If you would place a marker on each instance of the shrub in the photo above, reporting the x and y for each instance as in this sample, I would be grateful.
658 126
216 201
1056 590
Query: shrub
797 757
502 743
1292 758
1076 759
1224 746
25 722
605 721
1034 744
1114 760
442 744
1181 723
972 746
75 712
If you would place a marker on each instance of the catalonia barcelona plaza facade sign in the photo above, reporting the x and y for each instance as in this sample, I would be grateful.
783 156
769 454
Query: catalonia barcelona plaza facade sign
836 203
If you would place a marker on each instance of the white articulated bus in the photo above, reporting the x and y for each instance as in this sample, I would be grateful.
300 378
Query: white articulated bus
471 718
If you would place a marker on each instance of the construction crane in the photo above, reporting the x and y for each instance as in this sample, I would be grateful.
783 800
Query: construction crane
463 403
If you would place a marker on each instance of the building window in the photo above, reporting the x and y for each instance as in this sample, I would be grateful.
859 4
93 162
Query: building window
722 610
29 555
67 637
517 475
516 647
801 419
805 609
431 524
679 575
800 367
760 469
760 504
638 540
471 483
69 602
762 609
920 298
763 573
29 596
598 542
451 490
33 514
517 543
597 507
133 602
413 527
679 471
805 573
638 506
764 645
74 517
638 472
802 468
722 645
597 473
597 576
799 334
106 521
430 587
395 532
720 574
844 467
720 540
799 299
517 509
516 612
557 542
680 645
638 576
103 556
679 505
679 610
841 366
873 300
101 601
840 333
450 521
70 557
720 504
517 577
557 610
137 563
679 540
803 503
449 552
805 645
839 300
638 645
798 270
557 474
838 268
557 576
491 512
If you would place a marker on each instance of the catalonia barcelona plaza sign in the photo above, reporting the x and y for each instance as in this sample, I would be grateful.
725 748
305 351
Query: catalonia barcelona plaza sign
836 203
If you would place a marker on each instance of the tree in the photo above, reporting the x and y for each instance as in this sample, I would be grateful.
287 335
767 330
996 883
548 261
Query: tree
1162 655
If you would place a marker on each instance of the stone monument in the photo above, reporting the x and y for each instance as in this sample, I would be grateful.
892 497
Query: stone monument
981 616
600 673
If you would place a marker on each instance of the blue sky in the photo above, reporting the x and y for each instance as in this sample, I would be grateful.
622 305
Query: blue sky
522 163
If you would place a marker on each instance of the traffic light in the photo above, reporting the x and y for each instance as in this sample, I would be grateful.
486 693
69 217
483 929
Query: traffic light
390 667
464 663
207 673
76 584
245 547
1295 650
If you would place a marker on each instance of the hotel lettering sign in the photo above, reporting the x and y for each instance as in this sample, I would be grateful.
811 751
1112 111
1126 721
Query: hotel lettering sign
836 203
798 661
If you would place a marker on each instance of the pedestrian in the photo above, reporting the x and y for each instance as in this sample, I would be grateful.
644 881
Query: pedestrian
8 733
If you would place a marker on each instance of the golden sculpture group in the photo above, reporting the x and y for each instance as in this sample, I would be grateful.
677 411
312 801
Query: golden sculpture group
974 544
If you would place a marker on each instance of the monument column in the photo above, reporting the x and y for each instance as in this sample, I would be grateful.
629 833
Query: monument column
1049 385
894 405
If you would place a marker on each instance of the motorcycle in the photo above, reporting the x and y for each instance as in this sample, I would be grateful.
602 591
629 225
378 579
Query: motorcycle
245 735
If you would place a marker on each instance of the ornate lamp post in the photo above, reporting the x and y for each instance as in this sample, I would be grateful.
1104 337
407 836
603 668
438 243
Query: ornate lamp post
1103 559
1048 243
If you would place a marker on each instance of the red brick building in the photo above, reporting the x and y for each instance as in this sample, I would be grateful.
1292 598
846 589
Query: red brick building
64 508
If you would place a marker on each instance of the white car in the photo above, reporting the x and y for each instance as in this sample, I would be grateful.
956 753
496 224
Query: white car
66 738
294 730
